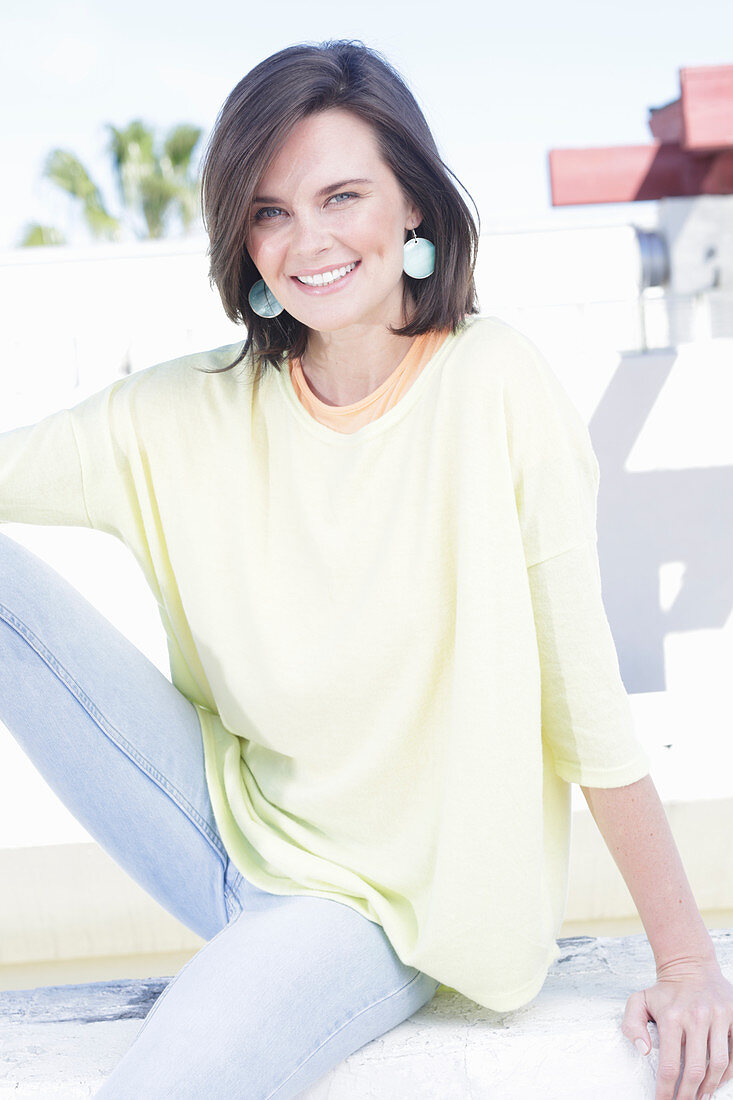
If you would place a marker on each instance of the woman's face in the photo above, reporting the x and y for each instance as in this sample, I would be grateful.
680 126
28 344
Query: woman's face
328 201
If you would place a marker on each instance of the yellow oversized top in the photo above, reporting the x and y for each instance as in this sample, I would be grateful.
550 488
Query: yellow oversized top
394 637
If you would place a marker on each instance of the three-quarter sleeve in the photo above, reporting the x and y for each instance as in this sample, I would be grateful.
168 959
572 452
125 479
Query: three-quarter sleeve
587 723
554 466
72 468
41 477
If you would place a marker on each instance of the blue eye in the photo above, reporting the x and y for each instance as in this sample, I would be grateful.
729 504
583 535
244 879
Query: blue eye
269 213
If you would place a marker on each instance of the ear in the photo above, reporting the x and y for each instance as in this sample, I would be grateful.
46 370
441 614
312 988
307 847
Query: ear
414 218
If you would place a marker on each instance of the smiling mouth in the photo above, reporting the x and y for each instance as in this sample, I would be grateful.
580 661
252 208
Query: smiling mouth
327 278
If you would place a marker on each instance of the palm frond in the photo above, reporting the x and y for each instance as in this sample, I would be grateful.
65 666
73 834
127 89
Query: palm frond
35 235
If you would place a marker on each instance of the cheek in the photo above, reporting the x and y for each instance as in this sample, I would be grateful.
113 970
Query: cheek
386 249
385 241
376 231
263 251
391 253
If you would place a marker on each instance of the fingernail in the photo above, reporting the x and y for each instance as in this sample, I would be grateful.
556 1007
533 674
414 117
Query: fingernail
641 1047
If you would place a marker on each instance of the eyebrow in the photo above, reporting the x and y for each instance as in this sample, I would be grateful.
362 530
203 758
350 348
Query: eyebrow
320 194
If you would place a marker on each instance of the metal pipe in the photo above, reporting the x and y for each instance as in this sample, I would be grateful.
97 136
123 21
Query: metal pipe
654 258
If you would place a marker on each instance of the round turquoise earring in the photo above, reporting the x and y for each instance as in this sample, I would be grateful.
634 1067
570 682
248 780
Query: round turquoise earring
263 301
419 261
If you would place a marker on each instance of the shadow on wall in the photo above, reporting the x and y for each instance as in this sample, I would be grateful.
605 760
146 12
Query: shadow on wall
648 518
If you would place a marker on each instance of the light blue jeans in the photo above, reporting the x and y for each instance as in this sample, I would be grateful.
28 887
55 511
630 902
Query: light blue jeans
286 986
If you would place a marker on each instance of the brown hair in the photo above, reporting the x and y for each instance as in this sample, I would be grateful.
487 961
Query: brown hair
254 122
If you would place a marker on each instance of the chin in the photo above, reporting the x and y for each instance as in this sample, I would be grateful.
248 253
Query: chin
324 322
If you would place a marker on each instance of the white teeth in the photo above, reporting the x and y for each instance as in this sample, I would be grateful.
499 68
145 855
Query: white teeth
325 277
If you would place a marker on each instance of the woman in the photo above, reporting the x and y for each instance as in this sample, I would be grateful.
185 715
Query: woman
371 535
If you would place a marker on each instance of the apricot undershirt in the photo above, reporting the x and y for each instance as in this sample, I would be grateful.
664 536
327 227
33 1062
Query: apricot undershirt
349 418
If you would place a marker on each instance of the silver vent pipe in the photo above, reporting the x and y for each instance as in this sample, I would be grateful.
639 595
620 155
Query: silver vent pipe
654 255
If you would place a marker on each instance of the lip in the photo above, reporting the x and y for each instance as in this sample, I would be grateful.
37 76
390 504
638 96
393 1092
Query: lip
330 288
323 270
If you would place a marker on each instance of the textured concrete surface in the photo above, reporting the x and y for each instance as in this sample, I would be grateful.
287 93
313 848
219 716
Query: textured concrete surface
62 1041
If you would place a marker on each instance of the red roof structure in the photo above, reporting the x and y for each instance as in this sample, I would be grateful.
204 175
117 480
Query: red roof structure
692 153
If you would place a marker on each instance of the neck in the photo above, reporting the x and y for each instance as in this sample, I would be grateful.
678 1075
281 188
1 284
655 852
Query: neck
342 368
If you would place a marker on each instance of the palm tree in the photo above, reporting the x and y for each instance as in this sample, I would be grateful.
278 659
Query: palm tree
36 234
178 149
156 184
157 187
67 172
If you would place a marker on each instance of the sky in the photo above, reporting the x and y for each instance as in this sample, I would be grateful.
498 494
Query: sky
500 83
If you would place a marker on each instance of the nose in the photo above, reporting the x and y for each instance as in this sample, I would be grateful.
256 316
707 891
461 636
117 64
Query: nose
309 237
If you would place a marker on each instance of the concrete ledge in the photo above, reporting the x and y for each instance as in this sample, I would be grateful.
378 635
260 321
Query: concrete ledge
62 1041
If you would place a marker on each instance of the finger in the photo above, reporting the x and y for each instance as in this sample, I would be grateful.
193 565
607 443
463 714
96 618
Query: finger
696 1056
728 1074
634 1025
719 1059
670 1058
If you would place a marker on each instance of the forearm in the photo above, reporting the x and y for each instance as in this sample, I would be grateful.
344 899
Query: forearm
634 826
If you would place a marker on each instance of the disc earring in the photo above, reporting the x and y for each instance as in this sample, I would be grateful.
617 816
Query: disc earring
419 253
263 301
